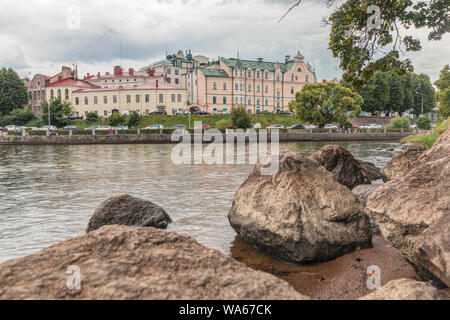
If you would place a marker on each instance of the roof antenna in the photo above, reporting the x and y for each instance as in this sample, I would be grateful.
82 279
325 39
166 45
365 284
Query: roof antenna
238 52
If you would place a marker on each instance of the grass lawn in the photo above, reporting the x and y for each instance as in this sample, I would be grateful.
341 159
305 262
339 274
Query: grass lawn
429 139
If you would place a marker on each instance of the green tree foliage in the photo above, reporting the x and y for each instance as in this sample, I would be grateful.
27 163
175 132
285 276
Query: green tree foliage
13 93
18 117
91 117
423 87
443 96
241 118
400 123
365 47
222 124
133 119
59 111
324 103
116 119
423 123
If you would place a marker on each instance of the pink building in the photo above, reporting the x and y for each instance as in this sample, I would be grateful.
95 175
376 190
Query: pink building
258 86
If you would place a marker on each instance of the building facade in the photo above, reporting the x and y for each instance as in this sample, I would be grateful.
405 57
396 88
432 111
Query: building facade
257 86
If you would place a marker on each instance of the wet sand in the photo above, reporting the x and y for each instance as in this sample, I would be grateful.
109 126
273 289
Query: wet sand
342 279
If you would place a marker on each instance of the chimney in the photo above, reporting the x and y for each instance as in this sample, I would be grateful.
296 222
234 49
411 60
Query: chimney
118 71
287 58
88 75
157 84
151 72
131 71
324 81
98 75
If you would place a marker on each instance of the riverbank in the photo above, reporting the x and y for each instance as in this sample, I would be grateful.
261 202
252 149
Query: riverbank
167 138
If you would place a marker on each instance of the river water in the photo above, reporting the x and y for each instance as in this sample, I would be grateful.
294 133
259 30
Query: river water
49 193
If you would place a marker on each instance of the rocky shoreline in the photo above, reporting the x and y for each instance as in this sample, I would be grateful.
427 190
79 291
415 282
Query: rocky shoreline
323 214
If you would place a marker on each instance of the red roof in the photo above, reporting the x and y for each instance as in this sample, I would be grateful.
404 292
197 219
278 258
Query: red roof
124 75
73 83
98 89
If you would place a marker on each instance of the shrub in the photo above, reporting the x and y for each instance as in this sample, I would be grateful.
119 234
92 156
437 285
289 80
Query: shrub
222 124
18 117
423 123
134 119
400 123
117 119
91 117
241 118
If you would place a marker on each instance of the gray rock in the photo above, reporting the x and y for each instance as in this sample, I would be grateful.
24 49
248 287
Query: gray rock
401 164
129 211
302 214
341 163
373 173
407 289
128 263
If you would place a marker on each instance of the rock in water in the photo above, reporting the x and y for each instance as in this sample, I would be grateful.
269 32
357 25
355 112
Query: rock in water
401 165
373 173
433 249
128 263
407 289
341 163
302 214
129 211
407 206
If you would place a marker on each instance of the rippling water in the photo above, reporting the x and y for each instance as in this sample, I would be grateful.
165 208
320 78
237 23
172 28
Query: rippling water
48 193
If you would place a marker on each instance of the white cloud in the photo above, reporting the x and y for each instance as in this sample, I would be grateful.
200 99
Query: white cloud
36 37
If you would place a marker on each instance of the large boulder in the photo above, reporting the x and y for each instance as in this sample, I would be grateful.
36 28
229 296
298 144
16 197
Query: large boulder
401 164
363 192
407 206
129 211
341 163
407 289
301 214
128 263
433 249
373 173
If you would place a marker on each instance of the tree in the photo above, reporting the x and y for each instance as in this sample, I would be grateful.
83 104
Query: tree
400 123
19 117
222 124
397 95
241 119
423 87
134 119
116 119
13 93
443 96
324 103
366 34
91 117
59 111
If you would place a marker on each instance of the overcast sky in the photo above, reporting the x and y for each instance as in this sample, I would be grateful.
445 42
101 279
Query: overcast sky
38 36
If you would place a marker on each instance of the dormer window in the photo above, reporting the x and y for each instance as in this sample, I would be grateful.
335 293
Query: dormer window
299 70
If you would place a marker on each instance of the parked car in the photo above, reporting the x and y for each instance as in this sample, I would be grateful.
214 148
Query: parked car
181 131
48 128
69 128
11 128
283 112
297 127
75 117
413 126
203 127
159 113
372 126
331 127
275 126
155 127
104 128
120 128
178 126
93 128
182 113
2 129
263 112
202 113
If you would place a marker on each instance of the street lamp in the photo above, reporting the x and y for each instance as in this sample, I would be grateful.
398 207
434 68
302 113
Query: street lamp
422 100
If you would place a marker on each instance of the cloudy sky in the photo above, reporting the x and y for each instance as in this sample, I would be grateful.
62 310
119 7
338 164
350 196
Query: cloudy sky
38 36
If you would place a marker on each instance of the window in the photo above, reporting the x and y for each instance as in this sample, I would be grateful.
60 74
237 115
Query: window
66 94
249 88
179 98
292 77
266 75
214 86
292 90
266 88
278 105
224 100
278 78
59 93
214 100
138 98
257 74
86 100
177 72
114 99
161 98
95 100
173 98
105 99
236 86
249 101
52 95
236 72
169 80
241 100
105 113
128 98
169 71
236 100
177 81
241 86
258 102
224 86
307 79
147 98
249 73
240 72
267 102
278 94
147 112
77 101
299 70
258 88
